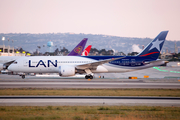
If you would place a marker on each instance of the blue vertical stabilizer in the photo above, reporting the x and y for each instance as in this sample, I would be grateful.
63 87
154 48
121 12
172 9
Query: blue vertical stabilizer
153 49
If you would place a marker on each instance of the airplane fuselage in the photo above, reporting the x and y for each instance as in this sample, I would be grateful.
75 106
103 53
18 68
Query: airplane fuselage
50 64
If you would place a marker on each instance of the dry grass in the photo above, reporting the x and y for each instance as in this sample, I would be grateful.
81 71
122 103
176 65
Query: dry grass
89 113
93 92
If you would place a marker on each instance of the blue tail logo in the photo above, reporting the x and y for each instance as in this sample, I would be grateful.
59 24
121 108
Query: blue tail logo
153 48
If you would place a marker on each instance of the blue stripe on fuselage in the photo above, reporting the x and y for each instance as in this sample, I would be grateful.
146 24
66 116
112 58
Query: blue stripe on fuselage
130 61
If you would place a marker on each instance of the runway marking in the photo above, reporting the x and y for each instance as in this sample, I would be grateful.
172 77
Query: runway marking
89 97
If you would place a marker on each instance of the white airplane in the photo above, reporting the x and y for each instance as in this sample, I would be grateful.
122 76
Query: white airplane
5 61
70 65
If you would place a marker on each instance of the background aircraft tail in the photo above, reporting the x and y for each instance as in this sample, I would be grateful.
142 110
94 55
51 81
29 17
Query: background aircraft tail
153 49
77 51
86 51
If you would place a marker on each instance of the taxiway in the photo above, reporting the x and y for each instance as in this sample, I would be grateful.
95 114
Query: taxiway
14 81
87 101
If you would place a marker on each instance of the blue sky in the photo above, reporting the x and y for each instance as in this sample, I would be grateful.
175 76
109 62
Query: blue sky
125 18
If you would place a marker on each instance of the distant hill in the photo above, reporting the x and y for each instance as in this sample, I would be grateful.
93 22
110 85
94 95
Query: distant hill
30 42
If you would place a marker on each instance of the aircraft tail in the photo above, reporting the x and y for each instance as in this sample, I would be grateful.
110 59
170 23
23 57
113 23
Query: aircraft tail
86 51
77 51
153 49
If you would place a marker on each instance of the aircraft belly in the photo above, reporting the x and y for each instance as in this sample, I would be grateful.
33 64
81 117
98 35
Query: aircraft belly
100 69
117 69
110 69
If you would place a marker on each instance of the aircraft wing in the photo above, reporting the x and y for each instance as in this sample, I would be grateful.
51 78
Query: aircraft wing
158 62
94 65
164 61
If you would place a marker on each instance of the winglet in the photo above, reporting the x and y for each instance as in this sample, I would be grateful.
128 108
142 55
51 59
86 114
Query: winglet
154 47
77 51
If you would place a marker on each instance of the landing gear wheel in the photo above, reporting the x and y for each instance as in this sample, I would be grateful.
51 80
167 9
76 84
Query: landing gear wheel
23 76
86 76
91 77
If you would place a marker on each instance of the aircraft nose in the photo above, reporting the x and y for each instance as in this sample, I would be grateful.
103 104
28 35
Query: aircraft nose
10 67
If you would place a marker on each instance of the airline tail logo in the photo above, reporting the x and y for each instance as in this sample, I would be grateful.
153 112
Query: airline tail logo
155 45
78 49
86 51
153 49
149 53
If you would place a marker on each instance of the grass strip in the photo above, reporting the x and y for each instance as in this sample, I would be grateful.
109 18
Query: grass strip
92 92
89 113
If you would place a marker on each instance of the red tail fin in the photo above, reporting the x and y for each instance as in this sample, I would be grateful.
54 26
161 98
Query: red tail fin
86 51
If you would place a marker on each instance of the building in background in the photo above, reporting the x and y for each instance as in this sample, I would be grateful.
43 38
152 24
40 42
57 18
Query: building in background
10 51
176 48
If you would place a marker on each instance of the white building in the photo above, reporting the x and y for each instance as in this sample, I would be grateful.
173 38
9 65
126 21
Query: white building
9 51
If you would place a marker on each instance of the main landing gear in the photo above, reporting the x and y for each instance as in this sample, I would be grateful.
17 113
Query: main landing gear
89 77
23 76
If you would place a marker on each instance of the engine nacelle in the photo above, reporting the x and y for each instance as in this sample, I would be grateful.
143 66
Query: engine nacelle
66 70
1 66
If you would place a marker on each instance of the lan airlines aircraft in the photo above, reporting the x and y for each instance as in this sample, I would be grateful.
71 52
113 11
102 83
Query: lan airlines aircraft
5 61
70 65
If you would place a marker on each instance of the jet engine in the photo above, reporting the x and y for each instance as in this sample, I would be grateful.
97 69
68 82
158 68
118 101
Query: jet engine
66 71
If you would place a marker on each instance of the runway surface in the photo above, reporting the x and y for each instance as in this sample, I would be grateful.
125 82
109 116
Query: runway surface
87 101
14 81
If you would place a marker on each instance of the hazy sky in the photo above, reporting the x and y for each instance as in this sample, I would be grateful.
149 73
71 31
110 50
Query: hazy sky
126 18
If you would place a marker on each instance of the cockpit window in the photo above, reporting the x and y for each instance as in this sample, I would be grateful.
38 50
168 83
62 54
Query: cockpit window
15 62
